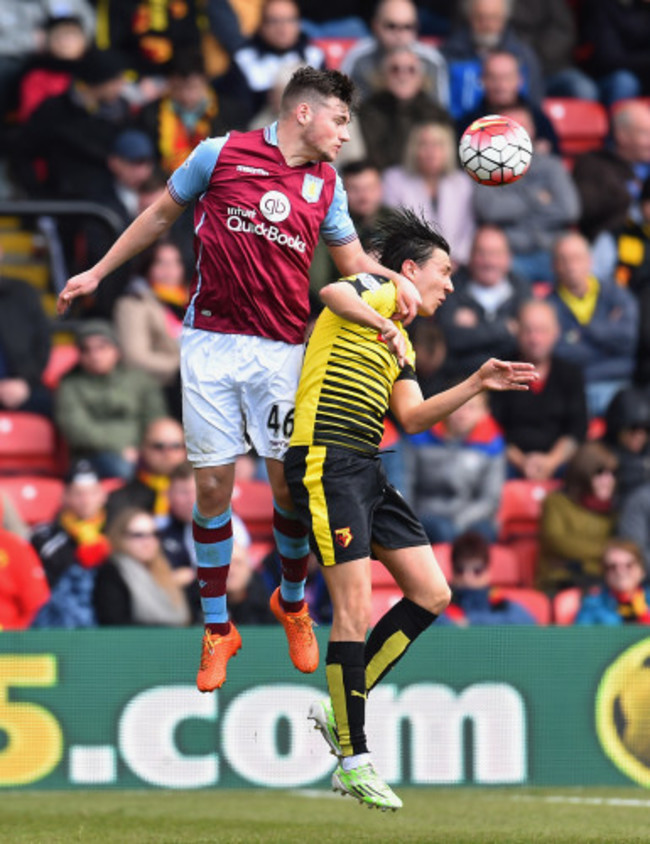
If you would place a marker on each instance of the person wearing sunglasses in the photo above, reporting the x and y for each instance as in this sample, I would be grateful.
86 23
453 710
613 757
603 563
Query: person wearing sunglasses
136 585
474 601
395 24
578 520
162 449
624 595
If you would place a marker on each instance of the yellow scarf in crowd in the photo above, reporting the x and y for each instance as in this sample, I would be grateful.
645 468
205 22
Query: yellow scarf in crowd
176 142
582 308
92 546
160 485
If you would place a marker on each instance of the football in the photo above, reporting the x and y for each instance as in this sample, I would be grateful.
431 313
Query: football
495 150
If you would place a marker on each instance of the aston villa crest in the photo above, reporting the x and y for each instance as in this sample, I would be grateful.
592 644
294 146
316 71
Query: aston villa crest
311 188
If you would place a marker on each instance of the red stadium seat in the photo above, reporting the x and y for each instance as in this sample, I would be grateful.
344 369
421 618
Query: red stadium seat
334 49
62 359
521 507
37 499
518 517
383 598
566 605
537 603
252 501
380 576
581 125
29 443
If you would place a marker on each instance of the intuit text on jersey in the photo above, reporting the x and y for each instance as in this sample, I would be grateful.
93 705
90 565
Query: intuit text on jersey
271 233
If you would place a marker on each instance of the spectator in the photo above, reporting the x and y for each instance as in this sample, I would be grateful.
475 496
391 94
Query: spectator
598 323
430 355
148 320
246 593
176 535
278 41
162 449
188 113
480 319
474 601
340 19
578 520
395 24
533 211
544 425
50 73
617 34
457 473
627 433
430 182
634 520
76 537
549 28
502 82
130 164
71 547
609 180
23 585
362 183
74 133
136 585
102 408
23 26
485 27
24 347
388 115
623 597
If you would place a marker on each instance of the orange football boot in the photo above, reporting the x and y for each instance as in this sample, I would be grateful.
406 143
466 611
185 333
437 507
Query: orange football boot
215 654
303 647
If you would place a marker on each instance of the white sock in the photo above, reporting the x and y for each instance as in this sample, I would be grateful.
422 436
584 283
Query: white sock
348 763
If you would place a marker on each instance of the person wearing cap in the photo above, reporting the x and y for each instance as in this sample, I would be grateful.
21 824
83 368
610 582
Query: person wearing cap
102 408
74 133
71 547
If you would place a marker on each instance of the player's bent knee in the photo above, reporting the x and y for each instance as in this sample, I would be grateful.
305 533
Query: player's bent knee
213 492
353 622
435 601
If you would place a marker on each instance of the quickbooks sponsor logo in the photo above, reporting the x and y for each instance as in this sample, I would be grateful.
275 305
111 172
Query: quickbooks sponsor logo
271 233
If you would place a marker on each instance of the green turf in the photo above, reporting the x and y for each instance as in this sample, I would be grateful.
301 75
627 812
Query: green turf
429 816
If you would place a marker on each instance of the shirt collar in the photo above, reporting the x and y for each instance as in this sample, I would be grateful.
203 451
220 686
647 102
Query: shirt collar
271 134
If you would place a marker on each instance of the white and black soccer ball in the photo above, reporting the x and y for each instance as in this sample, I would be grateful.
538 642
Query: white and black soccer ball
495 150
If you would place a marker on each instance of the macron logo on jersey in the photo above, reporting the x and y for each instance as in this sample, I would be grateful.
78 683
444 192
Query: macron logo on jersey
254 171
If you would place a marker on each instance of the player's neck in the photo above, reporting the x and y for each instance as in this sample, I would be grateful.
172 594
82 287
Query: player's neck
292 146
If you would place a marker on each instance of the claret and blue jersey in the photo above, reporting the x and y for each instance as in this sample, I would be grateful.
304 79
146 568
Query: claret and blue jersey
254 240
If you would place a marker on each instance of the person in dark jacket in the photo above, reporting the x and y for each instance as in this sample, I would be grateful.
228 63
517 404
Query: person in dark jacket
544 426
480 319
474 600
627 433
24 348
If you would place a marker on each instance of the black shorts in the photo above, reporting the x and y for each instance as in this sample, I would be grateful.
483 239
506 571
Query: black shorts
346 500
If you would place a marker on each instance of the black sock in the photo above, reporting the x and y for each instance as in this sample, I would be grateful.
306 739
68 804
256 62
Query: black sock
346 679
391 637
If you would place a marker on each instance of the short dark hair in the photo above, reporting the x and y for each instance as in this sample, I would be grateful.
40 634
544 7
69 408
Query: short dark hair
322 83
402 235
359 165
187 62
182 472
470 545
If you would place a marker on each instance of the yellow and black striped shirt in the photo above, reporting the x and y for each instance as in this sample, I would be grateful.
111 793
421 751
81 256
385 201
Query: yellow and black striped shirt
348 375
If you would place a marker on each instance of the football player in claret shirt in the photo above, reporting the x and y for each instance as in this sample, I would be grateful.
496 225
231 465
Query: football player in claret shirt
355 369
262 200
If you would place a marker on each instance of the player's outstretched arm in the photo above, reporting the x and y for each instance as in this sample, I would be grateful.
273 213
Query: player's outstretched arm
416 414
352 258
143 231
344 301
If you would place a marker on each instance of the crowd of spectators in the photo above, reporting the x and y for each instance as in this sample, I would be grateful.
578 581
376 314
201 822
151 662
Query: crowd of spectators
100 102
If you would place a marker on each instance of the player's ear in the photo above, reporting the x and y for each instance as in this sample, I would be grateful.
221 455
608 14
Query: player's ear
303 113
409 269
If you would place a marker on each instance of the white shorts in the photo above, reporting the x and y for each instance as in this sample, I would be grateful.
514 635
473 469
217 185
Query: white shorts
238 391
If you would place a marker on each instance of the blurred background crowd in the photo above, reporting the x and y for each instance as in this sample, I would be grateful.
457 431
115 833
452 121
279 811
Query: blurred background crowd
537 503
